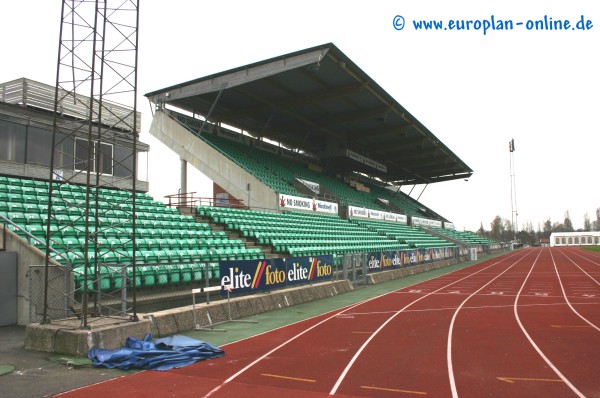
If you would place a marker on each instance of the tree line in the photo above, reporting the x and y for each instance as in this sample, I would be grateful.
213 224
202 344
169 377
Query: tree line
501 229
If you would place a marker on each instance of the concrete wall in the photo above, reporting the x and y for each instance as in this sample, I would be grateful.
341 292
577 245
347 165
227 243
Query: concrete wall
212 163
27 255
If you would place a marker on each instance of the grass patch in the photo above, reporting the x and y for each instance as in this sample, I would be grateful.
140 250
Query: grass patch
592 248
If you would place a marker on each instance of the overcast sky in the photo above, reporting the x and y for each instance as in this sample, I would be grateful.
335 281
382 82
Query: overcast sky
475 92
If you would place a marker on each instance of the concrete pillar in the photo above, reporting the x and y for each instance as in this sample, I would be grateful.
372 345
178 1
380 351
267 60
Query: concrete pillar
183 181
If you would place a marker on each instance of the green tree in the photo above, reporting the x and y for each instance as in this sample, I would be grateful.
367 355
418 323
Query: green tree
568 224
597 222
508 233
547 229
497 228
587 224
481 231
558 227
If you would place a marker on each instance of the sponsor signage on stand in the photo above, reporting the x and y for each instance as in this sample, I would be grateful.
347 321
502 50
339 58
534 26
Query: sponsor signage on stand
300 203
259 275
361 212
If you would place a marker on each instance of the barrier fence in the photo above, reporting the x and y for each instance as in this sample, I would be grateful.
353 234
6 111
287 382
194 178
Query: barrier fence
163 286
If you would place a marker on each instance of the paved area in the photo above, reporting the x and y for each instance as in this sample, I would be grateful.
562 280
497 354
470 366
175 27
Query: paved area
40 374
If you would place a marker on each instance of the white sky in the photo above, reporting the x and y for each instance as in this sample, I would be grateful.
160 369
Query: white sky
474 92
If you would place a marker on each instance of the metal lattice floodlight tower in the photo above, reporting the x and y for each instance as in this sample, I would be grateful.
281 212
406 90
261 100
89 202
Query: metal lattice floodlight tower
513 190
91 226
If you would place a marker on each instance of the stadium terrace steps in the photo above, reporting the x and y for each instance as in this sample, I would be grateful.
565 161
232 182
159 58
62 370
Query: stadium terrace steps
412 236
234 234
467 238
308 234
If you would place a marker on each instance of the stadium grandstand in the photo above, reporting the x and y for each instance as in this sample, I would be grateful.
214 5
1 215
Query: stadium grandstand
307 155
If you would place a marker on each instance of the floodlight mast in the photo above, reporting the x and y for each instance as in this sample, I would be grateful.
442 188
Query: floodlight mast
513 189
95 111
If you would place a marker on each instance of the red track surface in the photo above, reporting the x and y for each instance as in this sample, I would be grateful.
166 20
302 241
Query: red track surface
526 324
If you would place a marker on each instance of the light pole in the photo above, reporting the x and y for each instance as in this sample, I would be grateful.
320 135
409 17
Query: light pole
513 189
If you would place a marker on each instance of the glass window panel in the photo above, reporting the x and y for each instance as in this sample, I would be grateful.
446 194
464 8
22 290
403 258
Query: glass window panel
104 155
39 146
123 162
63 156
12 141
81 154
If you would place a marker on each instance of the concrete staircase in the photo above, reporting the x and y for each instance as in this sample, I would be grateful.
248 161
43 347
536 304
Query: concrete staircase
250 244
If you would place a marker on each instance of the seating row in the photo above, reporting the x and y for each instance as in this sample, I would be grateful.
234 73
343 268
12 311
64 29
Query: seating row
412 236
152 257
112 278
163 235
298 233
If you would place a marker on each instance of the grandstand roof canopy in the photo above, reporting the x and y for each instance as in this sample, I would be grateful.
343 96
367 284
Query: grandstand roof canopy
321 102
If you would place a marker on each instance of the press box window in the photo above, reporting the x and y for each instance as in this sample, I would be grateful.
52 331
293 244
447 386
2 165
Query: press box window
102 157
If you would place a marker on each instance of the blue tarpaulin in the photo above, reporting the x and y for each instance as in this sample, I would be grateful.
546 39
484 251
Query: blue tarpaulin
160 354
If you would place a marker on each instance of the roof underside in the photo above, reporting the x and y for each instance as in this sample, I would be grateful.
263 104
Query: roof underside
317 100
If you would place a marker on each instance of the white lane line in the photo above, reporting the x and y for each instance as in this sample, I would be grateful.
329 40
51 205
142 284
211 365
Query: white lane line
235 375
585 258
539 351
366 343
336 315
584 271
565 294
451 377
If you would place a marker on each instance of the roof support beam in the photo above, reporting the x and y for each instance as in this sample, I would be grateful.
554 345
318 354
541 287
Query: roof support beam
351 117
270 104
212 108
312 99
396 130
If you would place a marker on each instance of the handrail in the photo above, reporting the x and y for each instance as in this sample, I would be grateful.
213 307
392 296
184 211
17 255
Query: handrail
189 200
46 245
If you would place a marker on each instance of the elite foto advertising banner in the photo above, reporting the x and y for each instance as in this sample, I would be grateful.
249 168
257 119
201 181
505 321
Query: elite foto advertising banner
257 275
381 261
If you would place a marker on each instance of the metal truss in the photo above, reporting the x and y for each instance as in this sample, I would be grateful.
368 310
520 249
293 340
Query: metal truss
91 225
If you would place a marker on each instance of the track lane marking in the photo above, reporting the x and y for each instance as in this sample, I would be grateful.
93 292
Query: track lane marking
451 378
535 346
562 288
336 314
383 325
244 369
394 390
570 326
513 379
288 378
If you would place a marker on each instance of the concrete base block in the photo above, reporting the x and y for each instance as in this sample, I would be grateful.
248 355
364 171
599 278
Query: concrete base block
174 321
70 339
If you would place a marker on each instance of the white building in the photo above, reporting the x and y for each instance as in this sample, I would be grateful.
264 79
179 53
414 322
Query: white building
590 238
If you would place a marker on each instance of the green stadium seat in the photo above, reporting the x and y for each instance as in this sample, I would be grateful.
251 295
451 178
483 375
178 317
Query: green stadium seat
186 272
162 275
147 276
15 197
174 272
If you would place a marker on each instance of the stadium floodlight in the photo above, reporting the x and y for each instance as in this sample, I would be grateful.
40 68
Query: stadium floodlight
96 87
513 188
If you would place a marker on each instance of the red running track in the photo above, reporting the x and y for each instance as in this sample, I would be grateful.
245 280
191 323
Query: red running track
526 324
